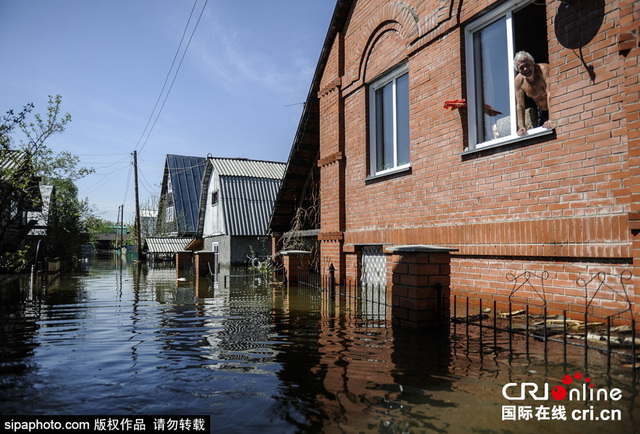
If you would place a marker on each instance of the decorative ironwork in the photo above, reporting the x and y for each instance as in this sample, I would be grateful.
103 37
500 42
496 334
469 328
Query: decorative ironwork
601 277
528 275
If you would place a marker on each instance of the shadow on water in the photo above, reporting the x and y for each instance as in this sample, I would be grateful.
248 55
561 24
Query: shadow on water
127 339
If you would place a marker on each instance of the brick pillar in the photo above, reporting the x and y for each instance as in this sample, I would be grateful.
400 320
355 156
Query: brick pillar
184 259
295 262
203 258
420 285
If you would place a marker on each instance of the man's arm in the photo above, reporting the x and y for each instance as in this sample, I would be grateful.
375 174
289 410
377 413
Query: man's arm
520 106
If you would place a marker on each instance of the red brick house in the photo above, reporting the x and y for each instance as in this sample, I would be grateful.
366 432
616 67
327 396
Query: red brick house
409 135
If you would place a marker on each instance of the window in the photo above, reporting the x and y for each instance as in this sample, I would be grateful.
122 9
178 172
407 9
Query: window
214 198
491 44
389 122
170 215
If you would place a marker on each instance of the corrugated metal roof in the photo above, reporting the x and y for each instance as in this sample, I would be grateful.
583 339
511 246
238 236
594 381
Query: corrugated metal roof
186 181
12 159
248 168
247 203
166 245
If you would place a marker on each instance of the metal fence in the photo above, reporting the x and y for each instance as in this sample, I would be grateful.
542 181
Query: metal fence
612 334
365 300
612 331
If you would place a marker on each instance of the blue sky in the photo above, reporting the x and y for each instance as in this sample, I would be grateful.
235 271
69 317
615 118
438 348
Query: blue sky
238 91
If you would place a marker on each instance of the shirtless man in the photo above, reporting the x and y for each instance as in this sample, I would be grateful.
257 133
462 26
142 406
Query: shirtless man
532 80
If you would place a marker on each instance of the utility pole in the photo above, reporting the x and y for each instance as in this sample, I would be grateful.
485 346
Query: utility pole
135 177
121 221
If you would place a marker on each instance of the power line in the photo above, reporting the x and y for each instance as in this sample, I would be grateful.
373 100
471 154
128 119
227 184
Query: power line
126 189
148 186
106 177
157 116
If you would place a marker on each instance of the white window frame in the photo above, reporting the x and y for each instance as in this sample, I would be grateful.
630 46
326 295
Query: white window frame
506 10
170 214
375 85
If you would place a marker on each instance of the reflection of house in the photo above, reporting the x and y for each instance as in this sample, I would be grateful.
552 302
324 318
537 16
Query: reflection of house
179 196
235 205
397 168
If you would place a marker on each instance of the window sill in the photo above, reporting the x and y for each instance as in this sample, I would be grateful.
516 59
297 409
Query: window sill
389 173
531 134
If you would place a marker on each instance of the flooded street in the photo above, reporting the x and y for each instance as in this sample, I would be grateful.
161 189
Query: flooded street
117 339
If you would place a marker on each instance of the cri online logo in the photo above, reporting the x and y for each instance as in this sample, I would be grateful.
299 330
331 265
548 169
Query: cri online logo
512 392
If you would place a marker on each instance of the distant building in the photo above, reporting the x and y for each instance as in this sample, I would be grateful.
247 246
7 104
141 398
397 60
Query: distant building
41 211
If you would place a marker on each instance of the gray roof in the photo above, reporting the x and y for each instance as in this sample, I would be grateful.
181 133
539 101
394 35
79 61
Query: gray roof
11 160
166 245
247 203
248 189
248 168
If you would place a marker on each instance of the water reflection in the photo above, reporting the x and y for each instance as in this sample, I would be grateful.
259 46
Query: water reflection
128 339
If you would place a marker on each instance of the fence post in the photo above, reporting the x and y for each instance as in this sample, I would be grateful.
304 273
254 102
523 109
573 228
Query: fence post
294 262
332 279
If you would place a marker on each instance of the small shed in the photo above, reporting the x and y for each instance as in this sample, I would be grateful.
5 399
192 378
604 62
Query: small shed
164 248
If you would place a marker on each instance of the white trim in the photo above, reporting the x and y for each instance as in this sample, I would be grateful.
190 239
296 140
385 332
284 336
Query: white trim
530 134
373 143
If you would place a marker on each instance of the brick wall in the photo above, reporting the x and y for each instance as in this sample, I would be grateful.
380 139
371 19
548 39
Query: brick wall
558 204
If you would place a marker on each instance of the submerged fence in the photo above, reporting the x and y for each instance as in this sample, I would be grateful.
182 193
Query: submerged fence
251 277
364 300
612 334
611 331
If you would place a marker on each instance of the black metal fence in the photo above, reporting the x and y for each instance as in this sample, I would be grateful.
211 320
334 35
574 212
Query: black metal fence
612 331
364 300
251 277
592 333
614 334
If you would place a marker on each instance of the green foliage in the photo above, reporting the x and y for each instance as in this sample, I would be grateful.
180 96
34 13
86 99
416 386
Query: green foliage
17 260
258 265
67 231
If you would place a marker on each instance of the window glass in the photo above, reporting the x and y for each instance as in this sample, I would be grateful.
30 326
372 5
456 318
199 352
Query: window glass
384 127
492 80
492 42
389 115
402 103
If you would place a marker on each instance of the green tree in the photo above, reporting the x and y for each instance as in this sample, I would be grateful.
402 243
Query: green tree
67 231
26 164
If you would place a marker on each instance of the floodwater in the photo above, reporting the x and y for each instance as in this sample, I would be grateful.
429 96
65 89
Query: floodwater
117 339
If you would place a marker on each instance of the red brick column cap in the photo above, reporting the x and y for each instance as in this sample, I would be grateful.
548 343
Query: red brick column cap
419 248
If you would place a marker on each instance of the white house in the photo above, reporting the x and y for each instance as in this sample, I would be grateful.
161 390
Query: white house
236 202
